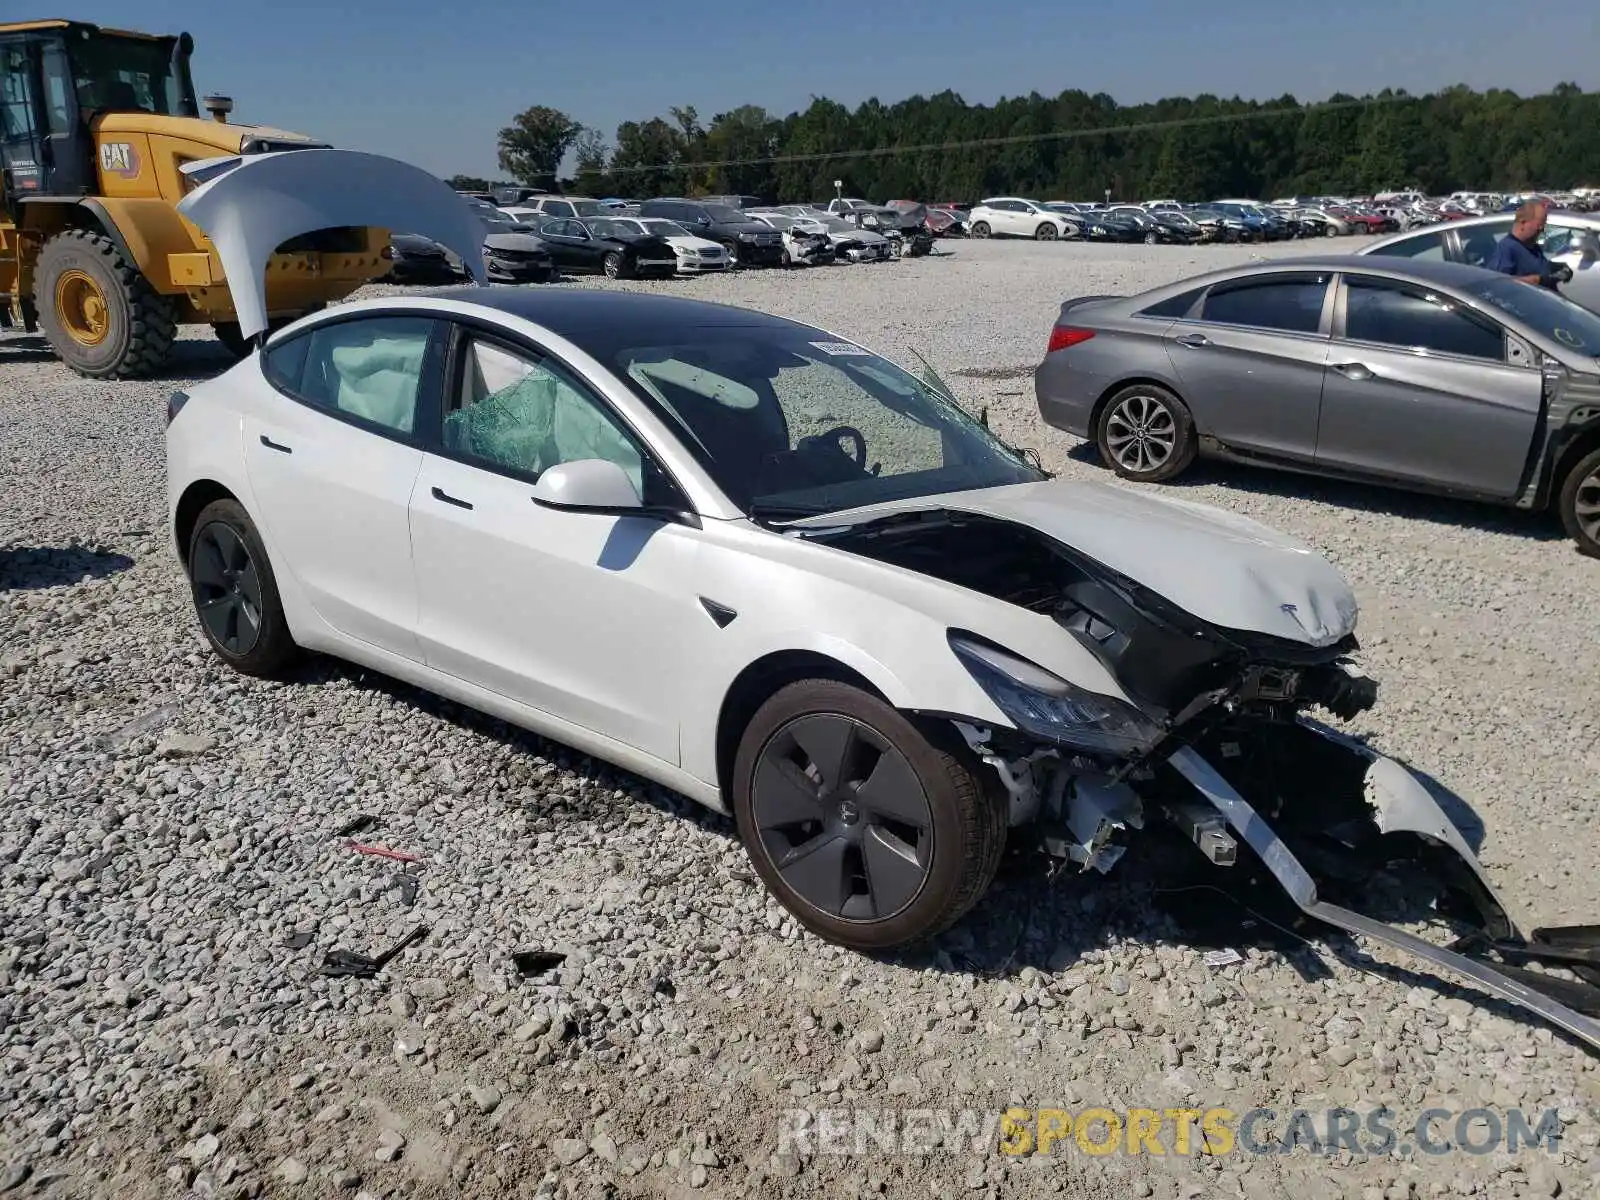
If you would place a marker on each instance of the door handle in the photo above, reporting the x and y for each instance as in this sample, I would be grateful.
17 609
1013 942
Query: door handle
441 494
272 445
1193 339
1353 370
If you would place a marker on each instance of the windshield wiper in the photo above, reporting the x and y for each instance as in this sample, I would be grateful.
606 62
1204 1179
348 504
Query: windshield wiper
771 513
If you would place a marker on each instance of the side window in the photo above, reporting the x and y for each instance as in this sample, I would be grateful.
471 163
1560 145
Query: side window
369 369
1174 306
1391 314
1292 304
1478 242
559 208
57 90
1427 246
555 227
510 411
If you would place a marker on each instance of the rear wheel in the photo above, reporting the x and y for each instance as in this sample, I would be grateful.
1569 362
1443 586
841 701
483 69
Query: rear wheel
1146 433
235 592
100 315
980 229
1580 504
872 836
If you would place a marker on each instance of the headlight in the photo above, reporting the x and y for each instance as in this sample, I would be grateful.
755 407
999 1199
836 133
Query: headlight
1049 707
747 237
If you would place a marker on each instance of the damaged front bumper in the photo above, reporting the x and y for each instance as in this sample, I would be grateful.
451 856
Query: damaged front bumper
1296 798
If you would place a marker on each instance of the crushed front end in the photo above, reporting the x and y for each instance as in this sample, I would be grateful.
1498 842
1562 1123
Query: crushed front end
1220 742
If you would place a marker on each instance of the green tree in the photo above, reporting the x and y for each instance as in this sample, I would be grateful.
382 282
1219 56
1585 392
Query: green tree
593 157
533 145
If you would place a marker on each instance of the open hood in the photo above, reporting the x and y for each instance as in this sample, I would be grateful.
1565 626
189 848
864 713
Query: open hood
249 205
1225 569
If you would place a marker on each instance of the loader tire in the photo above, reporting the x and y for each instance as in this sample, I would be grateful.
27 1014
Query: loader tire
99 314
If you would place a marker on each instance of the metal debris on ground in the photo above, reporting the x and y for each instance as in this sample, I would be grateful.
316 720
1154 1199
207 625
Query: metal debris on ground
408 885
297 941
348 962
382 852
1221 958
356 824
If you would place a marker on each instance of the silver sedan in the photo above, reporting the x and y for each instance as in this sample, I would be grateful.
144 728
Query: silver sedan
1432 376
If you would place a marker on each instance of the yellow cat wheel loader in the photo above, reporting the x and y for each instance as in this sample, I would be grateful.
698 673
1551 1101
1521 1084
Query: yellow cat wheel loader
95 127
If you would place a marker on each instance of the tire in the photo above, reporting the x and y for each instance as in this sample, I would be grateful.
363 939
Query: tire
1579 504
956 849
1046 232
232 340
1168 446
615 266
980 229
99 314
1152 238
733 254
224 534
1331 232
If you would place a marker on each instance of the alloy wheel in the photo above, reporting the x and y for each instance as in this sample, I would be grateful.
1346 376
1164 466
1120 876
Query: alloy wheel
1586 505
227 588
843 817
1141 433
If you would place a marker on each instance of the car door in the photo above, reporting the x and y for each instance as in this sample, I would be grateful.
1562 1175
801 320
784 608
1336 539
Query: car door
1251 360
1422 389
590 618
332 455
565 249
1578 246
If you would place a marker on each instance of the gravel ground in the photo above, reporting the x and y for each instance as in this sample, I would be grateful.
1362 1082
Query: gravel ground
170 876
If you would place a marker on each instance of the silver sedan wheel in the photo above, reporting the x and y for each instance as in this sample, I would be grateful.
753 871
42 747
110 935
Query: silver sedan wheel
1141 433
1586 506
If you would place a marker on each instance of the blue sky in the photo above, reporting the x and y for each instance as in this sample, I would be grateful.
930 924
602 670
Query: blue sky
433 82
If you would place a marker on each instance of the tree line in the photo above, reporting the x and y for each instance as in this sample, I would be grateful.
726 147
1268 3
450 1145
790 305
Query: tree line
1074 146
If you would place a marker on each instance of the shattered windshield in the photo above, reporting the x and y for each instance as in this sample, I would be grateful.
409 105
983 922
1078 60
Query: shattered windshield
790 423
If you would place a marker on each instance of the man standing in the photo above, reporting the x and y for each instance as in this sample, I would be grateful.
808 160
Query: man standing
1519 254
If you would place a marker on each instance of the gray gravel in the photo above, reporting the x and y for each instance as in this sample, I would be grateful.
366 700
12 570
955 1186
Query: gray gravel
170 878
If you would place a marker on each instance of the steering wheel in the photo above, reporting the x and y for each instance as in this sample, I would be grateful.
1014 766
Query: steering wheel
838 434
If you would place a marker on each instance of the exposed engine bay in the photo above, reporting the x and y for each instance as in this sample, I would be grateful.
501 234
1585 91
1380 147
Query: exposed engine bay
1224 750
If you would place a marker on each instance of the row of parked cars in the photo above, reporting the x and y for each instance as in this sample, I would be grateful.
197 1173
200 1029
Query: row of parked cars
542 236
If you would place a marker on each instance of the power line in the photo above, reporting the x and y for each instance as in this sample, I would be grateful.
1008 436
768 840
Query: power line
1020 138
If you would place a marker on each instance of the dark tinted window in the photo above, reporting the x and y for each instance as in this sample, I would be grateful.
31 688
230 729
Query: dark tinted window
1175 306
1478 242
1423 246
1290 303
1399 315
369 369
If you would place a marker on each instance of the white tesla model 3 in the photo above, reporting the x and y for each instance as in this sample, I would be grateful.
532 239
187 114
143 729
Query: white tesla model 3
765 567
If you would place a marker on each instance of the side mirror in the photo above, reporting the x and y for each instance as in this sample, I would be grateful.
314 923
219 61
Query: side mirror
587 485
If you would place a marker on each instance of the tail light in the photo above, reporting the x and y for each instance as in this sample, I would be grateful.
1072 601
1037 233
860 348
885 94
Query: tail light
175 403
1063 336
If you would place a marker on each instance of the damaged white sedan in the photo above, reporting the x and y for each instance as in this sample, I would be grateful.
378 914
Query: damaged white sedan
769 569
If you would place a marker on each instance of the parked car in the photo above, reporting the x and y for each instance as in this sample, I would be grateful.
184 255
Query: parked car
418 260
696 255
1229 227
1155 231
1013 216
747 241
1402 372
508 197
537 208
805 242
946 221
1190 229
850 242
512 251
609 245
1569 237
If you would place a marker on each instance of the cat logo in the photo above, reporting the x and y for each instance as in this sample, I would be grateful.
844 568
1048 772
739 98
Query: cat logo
119 158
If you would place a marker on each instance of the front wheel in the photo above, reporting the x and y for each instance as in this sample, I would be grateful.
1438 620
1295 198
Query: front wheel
615 266
980 229
1046 232
1580 504
868 833
235 592
732 249
1146 434
1150 239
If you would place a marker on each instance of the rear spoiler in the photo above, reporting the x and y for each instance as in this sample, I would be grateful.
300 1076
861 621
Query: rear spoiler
1080 301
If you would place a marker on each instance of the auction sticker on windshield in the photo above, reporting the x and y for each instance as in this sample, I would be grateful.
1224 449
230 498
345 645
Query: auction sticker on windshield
839 348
